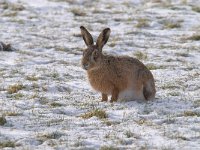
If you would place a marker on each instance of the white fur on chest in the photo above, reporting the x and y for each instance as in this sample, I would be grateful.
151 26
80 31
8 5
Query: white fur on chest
130 95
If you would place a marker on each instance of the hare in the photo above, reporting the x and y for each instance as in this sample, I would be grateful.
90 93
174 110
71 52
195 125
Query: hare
122 77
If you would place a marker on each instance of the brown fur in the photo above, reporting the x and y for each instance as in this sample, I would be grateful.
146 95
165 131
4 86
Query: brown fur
111 75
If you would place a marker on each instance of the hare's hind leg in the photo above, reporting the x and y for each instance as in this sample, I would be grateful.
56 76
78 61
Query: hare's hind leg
149 90
115 94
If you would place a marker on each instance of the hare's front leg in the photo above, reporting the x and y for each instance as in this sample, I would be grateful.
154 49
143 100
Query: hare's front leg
115 94
104 97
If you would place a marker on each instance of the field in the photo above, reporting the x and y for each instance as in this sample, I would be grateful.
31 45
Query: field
46 101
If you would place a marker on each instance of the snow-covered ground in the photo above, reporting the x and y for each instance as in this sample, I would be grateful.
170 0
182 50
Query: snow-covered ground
44 93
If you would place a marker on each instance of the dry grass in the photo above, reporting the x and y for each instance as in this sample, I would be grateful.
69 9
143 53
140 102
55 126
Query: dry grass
107 122
32 78
52 135
170 86
154 67
12 6
108 148
101 114
139 55
195 37
10 14
16 96
14 88
78 12
142 23
55 104
191 113
12 113
196 9
172 25
182 54
7 144
197 103
2 121
129 134
174 93
16 7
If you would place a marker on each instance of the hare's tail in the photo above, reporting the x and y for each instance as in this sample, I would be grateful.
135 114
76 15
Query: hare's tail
149 90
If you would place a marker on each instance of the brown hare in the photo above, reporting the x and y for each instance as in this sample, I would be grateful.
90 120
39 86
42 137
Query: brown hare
122 77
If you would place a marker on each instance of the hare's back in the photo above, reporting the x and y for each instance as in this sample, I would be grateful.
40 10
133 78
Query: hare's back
131 62
133 68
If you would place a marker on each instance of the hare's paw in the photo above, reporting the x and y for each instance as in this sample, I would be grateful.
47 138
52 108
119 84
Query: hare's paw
104 97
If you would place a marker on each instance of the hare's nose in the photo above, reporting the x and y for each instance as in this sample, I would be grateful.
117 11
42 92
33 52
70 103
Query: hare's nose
85 66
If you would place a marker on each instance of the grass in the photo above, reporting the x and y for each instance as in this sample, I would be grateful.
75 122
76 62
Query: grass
43 100
141 56
196 9
20 21
27 53
183 138
2 120
35 95
142 23
107 122
7 144
52 135
172 25
63 49
170 86
154 67
16 96
78 142
129 134
165 4
174 93
14 88
17 7
78 12
55 121
191 113
197 103
4 5
167 148
32 78
195 37
11 6
12 113
108 148
10 14
101 114
55 104
182 54
112 44
140 121
35 85
55 75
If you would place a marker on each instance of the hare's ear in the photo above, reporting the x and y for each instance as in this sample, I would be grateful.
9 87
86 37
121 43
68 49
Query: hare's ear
87 37
103 38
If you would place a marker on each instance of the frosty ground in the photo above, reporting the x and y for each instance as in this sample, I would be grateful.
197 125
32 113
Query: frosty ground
46 101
